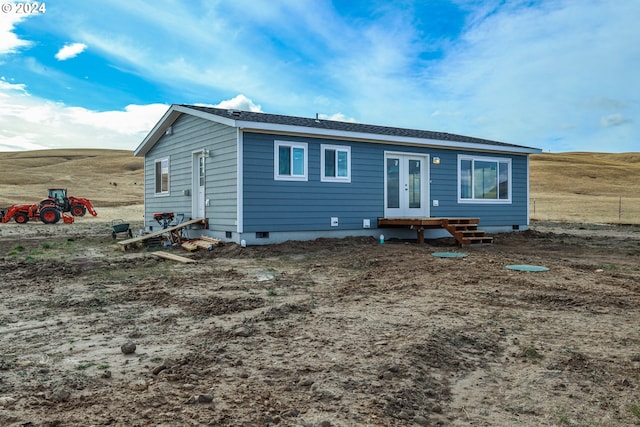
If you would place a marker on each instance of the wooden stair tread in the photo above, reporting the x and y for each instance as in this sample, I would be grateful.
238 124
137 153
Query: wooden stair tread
464 230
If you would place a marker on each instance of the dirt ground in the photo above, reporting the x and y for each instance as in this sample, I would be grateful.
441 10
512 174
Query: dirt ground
326 333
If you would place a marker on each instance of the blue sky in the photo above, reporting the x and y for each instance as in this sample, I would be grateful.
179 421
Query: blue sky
560 75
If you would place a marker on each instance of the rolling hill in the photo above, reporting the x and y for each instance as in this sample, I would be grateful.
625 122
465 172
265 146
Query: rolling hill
583 187
106 177
586 187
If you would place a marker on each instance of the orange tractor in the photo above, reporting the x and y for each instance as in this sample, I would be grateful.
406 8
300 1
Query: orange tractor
50 210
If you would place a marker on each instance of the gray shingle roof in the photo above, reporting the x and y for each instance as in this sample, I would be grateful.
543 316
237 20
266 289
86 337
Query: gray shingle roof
249 116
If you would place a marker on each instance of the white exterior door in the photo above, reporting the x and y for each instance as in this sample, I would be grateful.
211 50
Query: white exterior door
199 178
406 186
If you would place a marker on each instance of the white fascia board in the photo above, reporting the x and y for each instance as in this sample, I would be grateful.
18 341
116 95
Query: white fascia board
207 116
168 119
156 133
240 180
371 137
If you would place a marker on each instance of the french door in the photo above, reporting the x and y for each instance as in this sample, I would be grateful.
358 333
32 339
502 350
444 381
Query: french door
406 186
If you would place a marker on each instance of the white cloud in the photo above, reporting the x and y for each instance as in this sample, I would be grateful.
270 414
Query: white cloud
133 120
337 117
613 120
28 122
69 51
558 72
534 75
9 41
7 86
19 143
239 102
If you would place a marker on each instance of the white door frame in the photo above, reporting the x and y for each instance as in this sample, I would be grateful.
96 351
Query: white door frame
198 186
404 211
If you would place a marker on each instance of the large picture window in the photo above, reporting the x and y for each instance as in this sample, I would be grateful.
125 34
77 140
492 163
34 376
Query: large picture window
162 176
484 179
335 163
291 161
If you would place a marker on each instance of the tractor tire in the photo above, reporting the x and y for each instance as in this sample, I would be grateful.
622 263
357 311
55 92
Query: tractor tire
78 210
47 202
21 218
49 215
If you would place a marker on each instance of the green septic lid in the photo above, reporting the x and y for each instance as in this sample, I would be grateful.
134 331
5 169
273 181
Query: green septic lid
533 268
449 255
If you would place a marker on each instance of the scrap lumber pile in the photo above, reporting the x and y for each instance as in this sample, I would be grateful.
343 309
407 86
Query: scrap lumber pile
203 242
173 257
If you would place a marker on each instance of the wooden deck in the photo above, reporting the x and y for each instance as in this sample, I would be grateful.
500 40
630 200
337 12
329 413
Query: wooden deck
172 233
464 230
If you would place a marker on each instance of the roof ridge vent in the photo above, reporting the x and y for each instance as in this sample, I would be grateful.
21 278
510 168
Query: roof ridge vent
234 112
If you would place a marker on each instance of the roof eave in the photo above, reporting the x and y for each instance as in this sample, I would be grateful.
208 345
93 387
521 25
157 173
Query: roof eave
248 126
371 137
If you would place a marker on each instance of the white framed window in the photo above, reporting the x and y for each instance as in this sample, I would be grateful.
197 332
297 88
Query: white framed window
484 179
335 163
291 161
162 176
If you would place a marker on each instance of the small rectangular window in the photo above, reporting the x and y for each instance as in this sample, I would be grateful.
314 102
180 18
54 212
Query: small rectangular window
162 176
335 163
484 179
290 163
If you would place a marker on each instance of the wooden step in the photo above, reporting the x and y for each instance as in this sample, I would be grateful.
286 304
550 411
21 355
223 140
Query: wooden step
472 233
476 240
463 227
465 231
452 221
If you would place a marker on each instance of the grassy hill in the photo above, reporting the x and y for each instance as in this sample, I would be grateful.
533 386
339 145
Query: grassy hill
583 187
106 177
586 187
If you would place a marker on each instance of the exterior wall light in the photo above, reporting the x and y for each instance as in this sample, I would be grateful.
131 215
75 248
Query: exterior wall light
436 160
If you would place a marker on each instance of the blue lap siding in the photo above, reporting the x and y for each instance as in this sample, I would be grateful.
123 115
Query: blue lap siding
242 196
273 205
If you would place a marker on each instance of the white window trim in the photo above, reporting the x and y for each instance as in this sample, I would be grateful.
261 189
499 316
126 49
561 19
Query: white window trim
506 160
323 177
155 177
276 161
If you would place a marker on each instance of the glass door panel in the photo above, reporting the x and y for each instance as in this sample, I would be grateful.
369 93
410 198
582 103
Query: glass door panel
405 191
415 180
393 182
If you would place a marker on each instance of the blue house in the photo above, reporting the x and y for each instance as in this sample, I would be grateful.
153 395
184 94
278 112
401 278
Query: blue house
267 178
